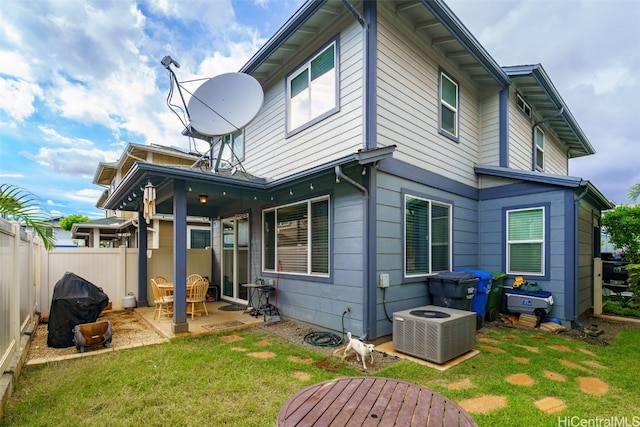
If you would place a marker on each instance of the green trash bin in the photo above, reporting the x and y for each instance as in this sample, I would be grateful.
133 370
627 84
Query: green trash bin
495 296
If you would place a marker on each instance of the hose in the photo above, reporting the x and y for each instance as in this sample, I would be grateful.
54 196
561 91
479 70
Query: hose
326 339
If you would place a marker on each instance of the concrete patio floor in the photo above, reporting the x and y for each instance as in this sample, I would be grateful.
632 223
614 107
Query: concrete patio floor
218 319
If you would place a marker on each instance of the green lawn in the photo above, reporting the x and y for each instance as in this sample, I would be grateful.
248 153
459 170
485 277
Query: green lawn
205 381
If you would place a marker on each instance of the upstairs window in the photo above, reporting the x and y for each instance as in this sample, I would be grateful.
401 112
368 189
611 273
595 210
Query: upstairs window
427 236
312 90
449 97
525 241
539 151
296 238
233 150
523 106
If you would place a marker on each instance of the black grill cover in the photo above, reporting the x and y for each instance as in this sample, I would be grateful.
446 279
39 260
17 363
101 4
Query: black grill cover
75 301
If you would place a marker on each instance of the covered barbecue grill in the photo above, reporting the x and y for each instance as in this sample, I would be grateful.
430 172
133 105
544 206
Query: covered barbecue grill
75 301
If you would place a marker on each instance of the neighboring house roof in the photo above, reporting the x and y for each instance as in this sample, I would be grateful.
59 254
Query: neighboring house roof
432 20
533 83
111 225
106 171
546 178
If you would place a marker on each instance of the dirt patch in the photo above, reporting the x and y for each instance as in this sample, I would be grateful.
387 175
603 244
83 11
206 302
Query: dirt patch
129 329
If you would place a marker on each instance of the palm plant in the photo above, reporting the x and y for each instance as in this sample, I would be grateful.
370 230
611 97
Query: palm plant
19 204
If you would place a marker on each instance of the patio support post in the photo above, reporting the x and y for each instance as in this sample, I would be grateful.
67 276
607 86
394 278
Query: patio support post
142 260
179 257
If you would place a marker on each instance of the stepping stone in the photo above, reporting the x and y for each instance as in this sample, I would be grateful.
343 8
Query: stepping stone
523 360
550 405
520 379
492 349
303 376
593 386
595 364
263 355
305 360
240 349
231 338
554 376
263 343
561 348
483 404
529 348
466 383
587 352
573 365
511 337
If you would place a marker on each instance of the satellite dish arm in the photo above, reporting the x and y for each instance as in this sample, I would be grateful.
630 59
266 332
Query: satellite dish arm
167 61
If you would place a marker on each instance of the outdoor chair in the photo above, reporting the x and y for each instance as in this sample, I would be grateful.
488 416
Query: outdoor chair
192 278
198 295
163 302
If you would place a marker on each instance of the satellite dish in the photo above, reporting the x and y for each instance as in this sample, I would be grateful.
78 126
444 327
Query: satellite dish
225 103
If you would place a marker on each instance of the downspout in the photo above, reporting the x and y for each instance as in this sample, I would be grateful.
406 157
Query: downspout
533 134
365 61
576 219
367 143
365 267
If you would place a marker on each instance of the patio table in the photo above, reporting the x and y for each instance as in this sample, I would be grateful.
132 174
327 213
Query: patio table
371 401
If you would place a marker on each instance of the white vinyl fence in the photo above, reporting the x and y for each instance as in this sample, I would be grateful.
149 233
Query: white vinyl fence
19 278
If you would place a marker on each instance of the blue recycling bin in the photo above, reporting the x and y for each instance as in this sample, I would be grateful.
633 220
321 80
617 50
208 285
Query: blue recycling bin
483 288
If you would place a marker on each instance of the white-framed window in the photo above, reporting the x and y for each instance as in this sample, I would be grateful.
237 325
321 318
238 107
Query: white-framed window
312 89
539 151
198 237
427 236
525 241
523 105
295 238
233 149
449 105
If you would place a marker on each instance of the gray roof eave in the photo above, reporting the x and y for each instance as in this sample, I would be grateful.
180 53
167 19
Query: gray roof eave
451 22
546 178
543 80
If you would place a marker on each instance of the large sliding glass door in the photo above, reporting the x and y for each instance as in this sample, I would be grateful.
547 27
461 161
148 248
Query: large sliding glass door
235 257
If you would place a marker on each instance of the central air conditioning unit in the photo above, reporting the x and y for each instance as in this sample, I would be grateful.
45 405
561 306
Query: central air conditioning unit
436 334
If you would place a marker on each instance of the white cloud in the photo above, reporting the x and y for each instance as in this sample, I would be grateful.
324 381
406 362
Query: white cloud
18 98
87 195
52 203
72 161
52 135
11 175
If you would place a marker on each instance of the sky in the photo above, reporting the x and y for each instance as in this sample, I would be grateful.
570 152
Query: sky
81 79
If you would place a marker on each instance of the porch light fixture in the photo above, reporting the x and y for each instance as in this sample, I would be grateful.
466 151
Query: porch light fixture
311 186
203 198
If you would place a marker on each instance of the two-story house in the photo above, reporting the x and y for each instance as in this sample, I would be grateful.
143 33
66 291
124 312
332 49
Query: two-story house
389 144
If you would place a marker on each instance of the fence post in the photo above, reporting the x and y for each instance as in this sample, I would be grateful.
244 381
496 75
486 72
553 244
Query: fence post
15 288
